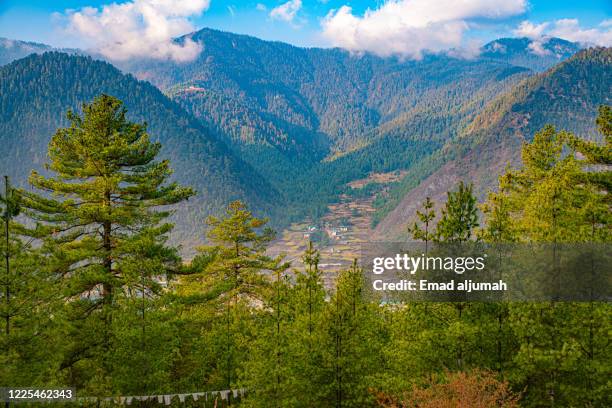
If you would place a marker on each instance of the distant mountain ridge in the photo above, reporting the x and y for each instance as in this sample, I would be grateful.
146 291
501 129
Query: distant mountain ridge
316 102
302 123
537 55
311 120
11 50
317 91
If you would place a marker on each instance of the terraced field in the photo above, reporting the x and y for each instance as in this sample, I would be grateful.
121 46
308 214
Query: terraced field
338 236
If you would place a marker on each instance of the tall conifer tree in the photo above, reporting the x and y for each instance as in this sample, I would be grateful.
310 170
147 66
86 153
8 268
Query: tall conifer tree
560 195
233 272
459 216
26 300
104 217
426 216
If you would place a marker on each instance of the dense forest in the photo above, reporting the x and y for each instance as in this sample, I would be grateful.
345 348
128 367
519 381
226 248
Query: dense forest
516 51
94 297
36 91
286 128
567 96
311 120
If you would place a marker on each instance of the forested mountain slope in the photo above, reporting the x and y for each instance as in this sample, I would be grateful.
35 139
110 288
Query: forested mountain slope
262 91
566 96
36 91
537 55
11 50
311 120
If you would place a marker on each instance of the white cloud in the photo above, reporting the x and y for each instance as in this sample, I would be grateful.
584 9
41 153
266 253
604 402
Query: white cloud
568 29
286 11
537 47
499 47
530 30
409 27
535 32
261 7
139 28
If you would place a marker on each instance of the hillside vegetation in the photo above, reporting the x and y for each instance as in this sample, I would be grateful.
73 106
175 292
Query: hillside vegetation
36 91
302 122
566 96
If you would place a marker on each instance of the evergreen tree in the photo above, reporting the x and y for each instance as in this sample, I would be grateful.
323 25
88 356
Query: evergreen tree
267 368
104 225
458 225
10 209
27 299
499 229
499 225
558 196
352 340
459 216
595 153
295 377
308 301
595 179
311 280
543 193
426 216
145 343
233 276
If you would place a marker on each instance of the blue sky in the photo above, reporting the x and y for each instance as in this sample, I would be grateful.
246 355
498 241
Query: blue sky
404 27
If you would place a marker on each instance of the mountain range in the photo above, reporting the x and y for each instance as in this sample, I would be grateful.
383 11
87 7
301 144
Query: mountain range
537 55
36 91
566 96
286 128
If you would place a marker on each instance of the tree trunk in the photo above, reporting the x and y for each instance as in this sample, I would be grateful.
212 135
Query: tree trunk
7 257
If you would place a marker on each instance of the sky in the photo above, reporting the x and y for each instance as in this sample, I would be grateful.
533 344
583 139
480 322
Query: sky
407 28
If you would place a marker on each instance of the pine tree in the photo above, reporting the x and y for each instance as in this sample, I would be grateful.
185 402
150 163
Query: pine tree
595 153
144 346
458 225
267 366
499 226
27 298
295 377
426 215
459 216
308 300
236 257
10 210
233 274
558 196
311 279
499 229
352 338
595 179
104 218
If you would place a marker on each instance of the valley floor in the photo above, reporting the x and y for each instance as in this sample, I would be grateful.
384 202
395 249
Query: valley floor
338 236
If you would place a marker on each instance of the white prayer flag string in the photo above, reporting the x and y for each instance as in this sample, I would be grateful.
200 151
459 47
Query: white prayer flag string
167 398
